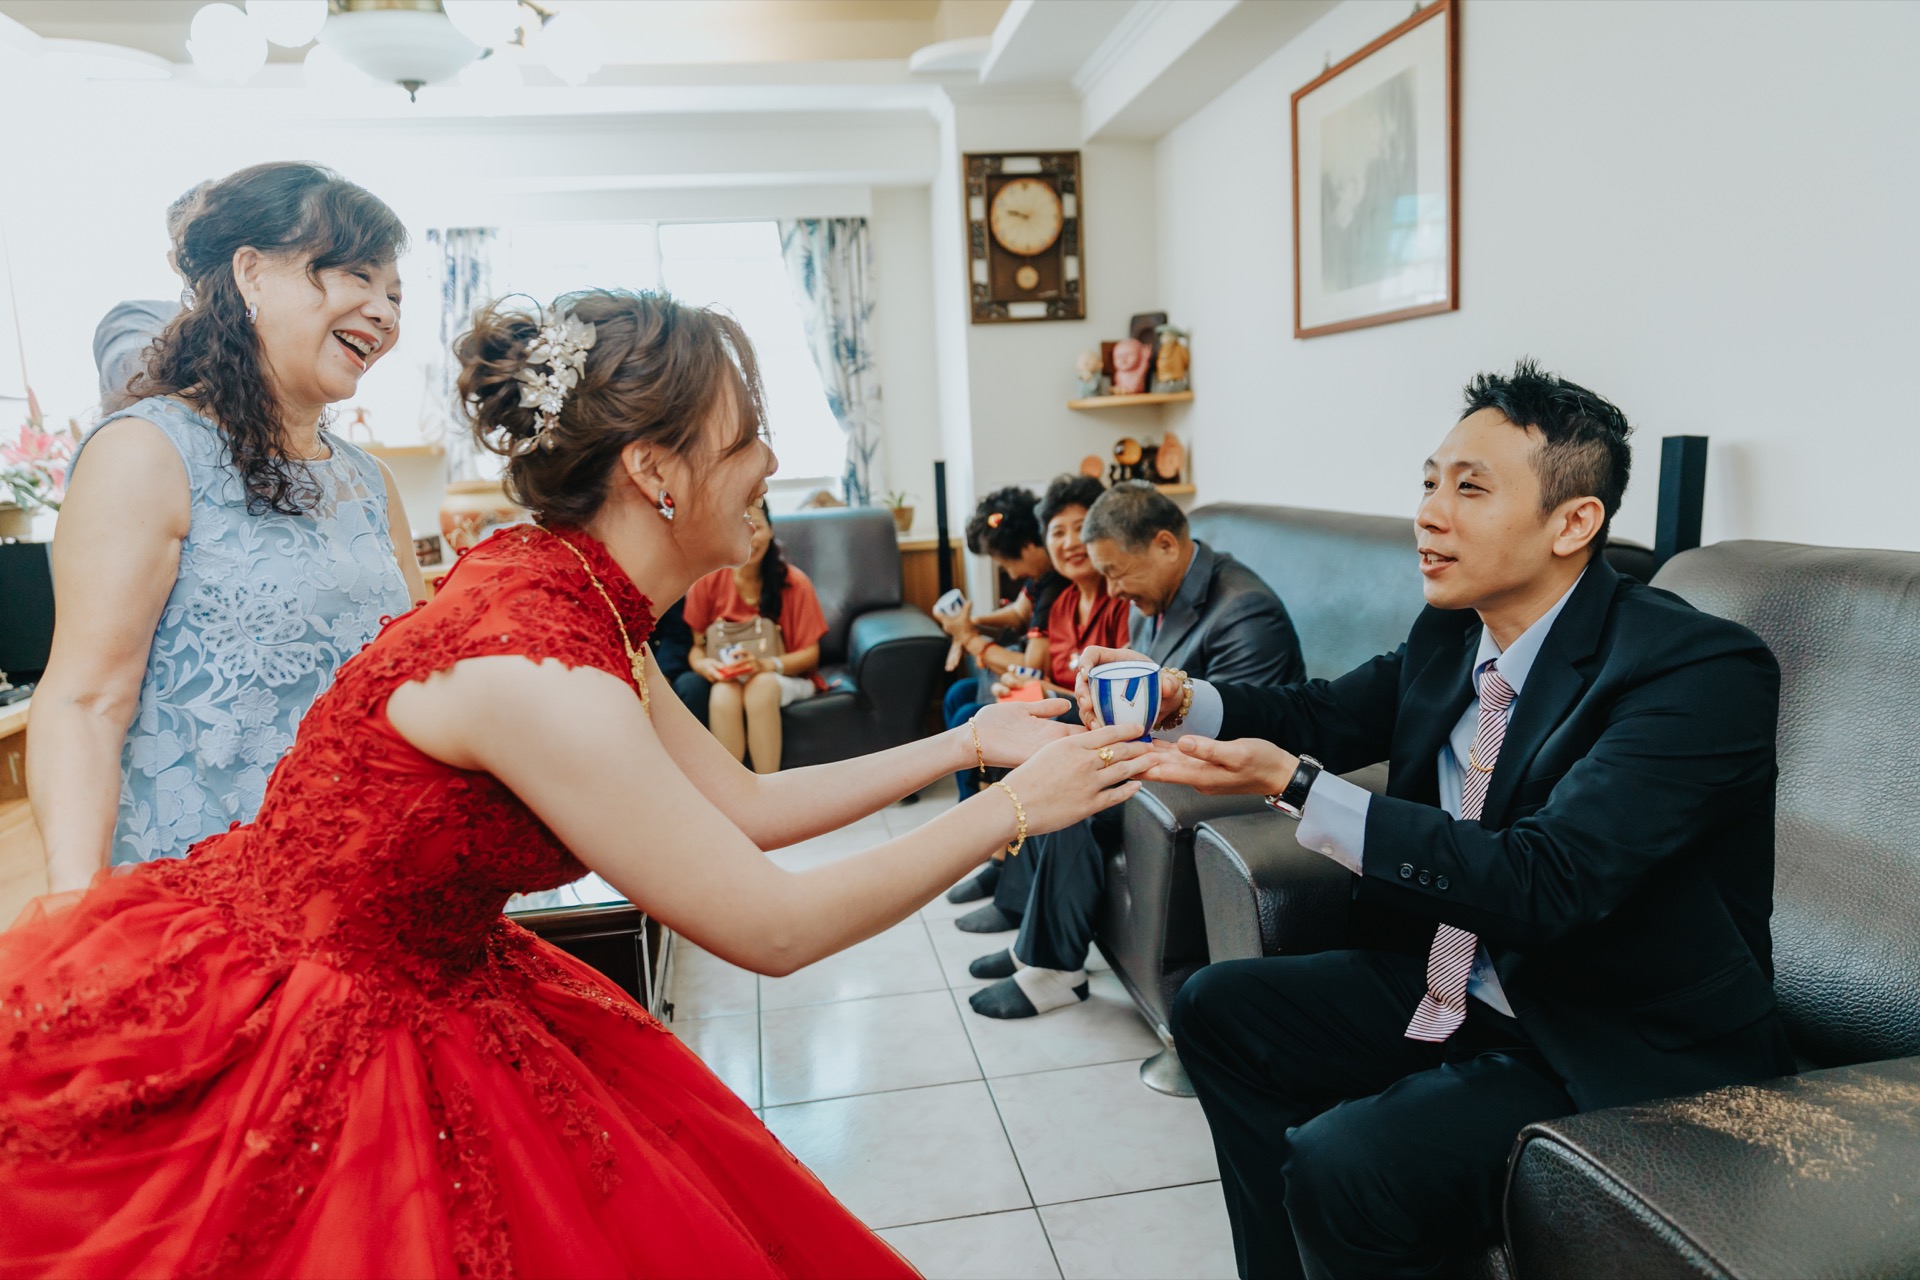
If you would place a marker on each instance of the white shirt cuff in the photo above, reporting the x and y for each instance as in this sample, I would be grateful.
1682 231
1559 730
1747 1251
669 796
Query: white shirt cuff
1334 821
1203 718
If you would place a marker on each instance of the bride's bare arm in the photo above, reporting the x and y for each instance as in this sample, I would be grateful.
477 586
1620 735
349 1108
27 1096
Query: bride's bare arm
779 809
576 747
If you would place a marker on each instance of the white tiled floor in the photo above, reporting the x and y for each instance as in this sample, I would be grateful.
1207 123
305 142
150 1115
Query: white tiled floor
977 1148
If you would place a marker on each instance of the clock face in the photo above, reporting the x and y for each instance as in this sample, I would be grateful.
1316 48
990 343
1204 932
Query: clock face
1026 216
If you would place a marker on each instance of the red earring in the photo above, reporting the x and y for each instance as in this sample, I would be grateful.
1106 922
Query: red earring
666 505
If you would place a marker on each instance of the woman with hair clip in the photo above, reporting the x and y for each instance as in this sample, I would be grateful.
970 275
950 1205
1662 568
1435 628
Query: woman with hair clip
315 1047
220 553
768 614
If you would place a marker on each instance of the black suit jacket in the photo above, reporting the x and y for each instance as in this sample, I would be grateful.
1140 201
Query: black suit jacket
1621 873
1224 626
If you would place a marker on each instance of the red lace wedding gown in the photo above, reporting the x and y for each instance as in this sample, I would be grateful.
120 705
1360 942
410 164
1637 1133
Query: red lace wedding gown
316 1047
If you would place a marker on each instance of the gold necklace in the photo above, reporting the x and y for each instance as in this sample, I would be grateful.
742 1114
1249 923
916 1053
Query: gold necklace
636 658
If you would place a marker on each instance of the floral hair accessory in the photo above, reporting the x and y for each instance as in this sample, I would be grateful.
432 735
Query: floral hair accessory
554 363
994 518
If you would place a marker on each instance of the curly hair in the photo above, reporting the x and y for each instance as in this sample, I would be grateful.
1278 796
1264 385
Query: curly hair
1003 524
655 373
210 354
773 572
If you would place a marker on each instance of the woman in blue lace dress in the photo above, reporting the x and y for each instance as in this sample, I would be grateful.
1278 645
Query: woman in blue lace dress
220 553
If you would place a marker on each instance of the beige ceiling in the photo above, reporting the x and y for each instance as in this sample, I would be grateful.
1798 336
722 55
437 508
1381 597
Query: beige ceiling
638 32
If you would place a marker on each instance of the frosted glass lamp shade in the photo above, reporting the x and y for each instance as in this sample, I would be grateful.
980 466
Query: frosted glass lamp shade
288 23
488 23
225 44
409 47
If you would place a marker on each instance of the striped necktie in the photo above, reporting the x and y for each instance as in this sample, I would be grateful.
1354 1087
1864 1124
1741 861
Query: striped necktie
1444 1006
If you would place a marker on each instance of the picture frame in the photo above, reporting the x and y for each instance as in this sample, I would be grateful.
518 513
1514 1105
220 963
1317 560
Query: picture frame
1376 181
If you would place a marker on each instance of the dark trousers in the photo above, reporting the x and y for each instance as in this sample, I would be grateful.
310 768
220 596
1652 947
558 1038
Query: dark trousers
1346 1149
1063 882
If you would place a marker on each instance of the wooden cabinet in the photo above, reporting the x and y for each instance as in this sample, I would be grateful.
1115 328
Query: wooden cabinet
23 864
920 571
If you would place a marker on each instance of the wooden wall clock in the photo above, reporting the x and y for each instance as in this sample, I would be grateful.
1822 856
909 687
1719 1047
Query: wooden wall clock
1024 259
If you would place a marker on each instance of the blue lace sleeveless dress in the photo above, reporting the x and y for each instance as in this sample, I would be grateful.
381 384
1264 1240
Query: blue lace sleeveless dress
263 612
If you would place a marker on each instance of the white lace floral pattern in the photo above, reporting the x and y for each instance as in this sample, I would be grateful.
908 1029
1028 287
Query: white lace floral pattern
263 612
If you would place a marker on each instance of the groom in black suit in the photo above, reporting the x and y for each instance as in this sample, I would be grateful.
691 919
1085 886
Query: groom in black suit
1561 903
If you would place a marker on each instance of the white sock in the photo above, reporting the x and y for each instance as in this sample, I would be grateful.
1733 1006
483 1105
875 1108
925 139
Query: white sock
1048 988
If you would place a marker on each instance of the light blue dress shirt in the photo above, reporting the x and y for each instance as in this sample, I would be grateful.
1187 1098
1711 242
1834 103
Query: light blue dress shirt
1334 821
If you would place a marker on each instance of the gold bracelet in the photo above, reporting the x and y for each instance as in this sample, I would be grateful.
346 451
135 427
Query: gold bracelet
1020 813
1186 697
978 754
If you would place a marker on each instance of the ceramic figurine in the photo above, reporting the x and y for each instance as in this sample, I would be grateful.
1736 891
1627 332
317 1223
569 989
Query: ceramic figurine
1129 367
1170 368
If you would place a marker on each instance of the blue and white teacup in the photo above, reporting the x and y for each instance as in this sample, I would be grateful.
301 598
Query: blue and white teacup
1126 693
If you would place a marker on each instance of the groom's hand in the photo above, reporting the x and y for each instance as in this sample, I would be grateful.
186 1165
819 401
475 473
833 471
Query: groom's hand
1242 767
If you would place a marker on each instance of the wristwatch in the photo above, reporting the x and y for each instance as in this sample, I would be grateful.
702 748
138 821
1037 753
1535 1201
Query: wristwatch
1294 798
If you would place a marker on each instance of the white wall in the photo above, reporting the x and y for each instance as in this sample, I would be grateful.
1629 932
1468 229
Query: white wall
902 231
1019 376
1706 212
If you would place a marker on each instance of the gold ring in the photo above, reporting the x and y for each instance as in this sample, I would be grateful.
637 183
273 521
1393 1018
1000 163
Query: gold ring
1106 755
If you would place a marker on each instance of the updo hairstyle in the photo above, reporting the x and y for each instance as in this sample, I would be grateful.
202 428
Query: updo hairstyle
655 372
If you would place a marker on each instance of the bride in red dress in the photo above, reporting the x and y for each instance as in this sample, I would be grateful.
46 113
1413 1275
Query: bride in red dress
315 1047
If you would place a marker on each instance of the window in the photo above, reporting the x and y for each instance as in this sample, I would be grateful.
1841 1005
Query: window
737 265
733 265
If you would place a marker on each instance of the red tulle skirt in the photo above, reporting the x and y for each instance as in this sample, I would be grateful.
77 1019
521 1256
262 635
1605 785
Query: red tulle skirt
179 1097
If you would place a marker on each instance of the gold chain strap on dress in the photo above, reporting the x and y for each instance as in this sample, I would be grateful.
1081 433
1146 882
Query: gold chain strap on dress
636 658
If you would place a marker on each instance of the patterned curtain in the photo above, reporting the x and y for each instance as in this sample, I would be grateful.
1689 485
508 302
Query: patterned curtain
466 281
830 261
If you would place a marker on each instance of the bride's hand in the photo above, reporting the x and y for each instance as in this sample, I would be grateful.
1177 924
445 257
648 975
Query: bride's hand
1068 780
1010 732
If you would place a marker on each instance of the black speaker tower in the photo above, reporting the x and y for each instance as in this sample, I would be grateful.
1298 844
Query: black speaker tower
1683 491
940 526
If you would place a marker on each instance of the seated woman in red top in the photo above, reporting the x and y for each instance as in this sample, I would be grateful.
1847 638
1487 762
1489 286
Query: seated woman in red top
1083 615
743 709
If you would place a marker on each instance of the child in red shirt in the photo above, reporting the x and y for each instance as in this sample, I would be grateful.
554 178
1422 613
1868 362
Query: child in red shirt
744 711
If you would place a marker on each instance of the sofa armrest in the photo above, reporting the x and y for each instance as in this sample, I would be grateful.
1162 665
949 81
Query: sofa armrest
1174 808
1817 1174
894 657
880 628
1263 894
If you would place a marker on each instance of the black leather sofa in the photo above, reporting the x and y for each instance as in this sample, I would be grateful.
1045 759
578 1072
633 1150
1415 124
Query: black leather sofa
1812 1175
881 659
1352 586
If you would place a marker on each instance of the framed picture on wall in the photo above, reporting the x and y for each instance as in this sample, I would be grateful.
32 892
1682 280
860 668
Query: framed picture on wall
1376 190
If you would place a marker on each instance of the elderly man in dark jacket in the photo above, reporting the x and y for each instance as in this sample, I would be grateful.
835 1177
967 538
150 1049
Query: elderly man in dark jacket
1194 609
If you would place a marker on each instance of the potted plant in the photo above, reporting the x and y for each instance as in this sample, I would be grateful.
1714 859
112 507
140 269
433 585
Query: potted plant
33 473
900 504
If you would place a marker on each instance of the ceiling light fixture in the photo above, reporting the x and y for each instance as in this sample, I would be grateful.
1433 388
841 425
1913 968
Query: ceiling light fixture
288 23
412 43
225 45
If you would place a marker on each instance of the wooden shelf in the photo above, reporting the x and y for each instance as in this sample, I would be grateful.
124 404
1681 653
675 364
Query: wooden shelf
1123 402
406 450
1176 490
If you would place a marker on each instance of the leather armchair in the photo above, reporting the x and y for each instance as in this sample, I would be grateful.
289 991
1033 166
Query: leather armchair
1817 1174
881 659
